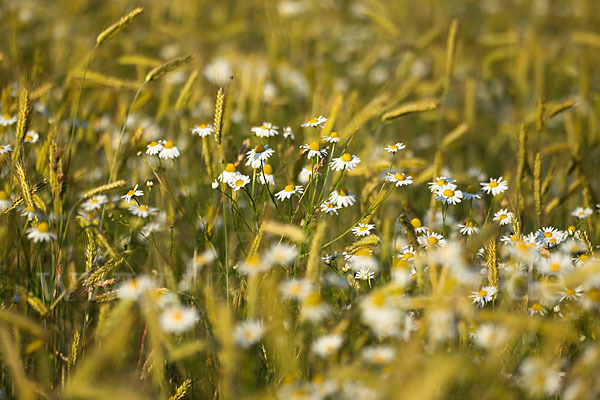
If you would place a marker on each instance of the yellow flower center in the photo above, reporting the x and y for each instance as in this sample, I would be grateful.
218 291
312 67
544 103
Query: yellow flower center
93 201
268 169
343 191
169 145
363 228
154 143
378 300
584 257
537 307
399 176
202 126
481 293
239 183
346 157
553 240
253 261
28 138
470 224
408 255
570 292
3 195
131 192
442 182
314 146
177 316
393 147
554 267
471 189
143 208
289 188
493 184
313 121
259 149
334 135
329 205
594 294
7 116
448 193
416 223
263 126
30 209
230 168
43 227
513 238
502 216
571 228
547 234
432 240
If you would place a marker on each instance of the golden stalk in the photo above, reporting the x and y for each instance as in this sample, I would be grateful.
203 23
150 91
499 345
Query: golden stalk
117 27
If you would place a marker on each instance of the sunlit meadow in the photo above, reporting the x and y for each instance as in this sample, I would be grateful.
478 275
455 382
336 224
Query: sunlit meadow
299 199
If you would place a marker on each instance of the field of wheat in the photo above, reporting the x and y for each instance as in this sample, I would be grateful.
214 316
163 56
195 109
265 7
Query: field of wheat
299 199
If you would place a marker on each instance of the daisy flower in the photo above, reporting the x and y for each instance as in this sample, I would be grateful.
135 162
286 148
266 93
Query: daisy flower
296 289
342 197
378 354
142 210
347 161
469 228
329 208
265 130
333 137
169 151
253 265
399 179
7 120
288 134
442 182
556 264
228 173
407 253
265 175
509 239
326 345
305 174
364 274
41 233
5 201
484 295
314 122
135 192
431 239
549 236
494 186
537 308
313 150
203 130
259 155
539 378
134 288
363 229
30 212
395 147
238 181
571 293
5 148
288 192
582 213
491 335
31 137
248 333
94 203
281 254
472 192
178 319
449 195
154 148
504 217
313 308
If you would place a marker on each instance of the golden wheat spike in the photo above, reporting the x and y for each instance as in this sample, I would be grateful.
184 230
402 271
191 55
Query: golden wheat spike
183 97
410 108
103 189
117 27
218 120
181 390
166 67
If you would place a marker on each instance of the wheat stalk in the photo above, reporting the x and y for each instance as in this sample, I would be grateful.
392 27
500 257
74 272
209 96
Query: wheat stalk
117 27
166 67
